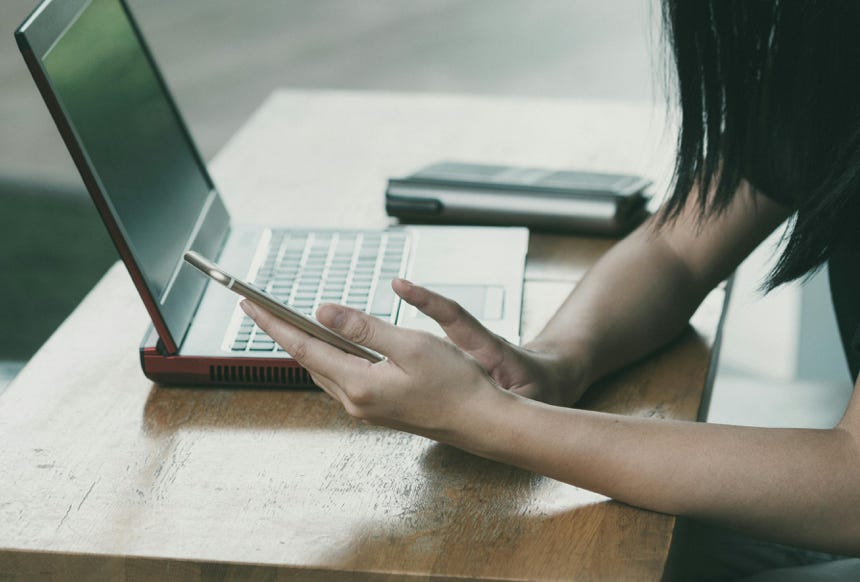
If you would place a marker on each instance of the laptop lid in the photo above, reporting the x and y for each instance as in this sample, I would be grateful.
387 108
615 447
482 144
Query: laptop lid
131 147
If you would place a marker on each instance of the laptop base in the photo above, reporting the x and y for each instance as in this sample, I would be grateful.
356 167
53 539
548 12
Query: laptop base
219 372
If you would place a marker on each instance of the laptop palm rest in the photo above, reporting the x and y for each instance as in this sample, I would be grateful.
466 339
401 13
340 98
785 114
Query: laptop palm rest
486 302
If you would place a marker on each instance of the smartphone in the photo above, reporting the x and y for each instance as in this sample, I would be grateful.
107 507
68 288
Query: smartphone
289 314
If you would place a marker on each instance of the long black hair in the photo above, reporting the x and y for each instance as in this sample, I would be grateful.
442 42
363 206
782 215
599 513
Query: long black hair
769 92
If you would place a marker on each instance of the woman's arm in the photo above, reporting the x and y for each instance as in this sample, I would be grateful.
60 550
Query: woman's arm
793 486
642 293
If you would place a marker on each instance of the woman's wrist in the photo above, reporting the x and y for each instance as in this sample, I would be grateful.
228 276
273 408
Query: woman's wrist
569 366
485 422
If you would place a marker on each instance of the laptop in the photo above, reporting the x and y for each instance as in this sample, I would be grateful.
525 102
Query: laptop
157 200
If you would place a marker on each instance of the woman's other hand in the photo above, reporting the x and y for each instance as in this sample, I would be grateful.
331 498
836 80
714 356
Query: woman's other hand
539 375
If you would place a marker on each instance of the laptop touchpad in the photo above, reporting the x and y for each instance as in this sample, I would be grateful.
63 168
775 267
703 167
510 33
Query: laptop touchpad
486 302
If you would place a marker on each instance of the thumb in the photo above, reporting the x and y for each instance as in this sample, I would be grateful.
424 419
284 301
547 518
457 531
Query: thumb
359 327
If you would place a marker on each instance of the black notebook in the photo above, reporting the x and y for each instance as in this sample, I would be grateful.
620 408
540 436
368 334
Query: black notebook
556 200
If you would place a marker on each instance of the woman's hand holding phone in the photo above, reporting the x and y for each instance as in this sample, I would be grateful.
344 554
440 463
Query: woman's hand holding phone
426 385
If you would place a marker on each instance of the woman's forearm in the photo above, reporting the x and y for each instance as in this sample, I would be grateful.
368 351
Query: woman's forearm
641 294
791 485
638 297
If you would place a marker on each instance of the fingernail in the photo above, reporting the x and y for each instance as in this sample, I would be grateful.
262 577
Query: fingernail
407 282
248 308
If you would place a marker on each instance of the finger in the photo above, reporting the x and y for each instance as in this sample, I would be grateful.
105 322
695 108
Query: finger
315 355
362 328
458 324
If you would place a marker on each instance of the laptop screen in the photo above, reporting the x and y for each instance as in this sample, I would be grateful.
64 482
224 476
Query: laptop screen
137 147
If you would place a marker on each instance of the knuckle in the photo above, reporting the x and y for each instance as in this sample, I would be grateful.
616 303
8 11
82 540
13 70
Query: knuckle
361 330
451 312
419 297
298 350
456 308
458 312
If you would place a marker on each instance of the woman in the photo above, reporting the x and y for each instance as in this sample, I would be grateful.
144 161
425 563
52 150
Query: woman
770 102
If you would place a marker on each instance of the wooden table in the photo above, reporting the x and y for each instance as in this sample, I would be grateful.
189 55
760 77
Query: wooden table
106 476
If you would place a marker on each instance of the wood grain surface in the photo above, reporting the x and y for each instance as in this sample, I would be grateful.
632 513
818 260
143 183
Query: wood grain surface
106 476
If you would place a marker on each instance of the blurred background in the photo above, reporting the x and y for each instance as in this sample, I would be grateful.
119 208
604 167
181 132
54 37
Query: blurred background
781 361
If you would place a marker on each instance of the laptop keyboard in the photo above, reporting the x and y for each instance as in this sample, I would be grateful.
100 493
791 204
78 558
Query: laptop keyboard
306 269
